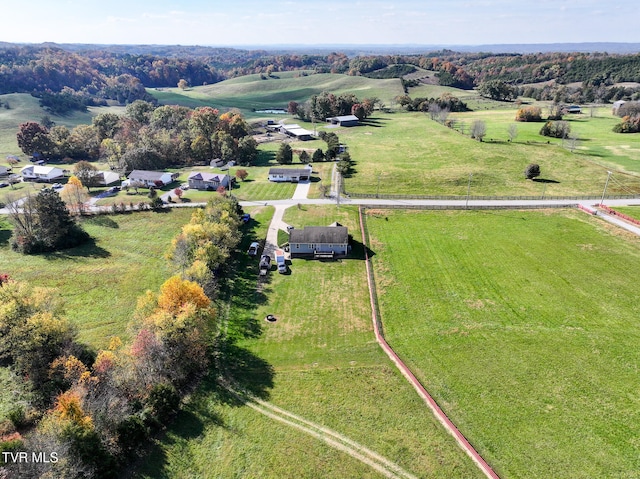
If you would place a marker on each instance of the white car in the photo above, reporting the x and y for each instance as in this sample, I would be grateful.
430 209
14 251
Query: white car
253 249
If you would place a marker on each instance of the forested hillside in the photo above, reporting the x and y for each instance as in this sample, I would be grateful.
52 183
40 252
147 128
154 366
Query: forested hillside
74 77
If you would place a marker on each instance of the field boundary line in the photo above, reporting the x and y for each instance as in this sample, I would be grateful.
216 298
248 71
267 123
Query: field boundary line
406 372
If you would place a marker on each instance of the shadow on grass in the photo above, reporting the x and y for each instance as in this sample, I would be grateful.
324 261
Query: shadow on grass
87 250
358 251
544 180
265 158
5 234
102 220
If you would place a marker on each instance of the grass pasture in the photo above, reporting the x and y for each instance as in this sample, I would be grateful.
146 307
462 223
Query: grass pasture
250 92
407 153
324 366
524 327
101 281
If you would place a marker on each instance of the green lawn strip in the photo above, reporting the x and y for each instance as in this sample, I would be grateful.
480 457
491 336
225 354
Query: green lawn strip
326 367
632 211
522 325
100 282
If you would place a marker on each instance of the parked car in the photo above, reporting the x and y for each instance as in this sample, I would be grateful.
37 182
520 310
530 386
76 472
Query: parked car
280 261
253 249
4 185
245 217
57 186
265 264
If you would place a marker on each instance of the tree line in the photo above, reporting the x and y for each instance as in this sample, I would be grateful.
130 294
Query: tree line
93 412
146 137
74 77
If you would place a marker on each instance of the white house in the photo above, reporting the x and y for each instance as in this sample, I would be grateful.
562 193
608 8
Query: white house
41 173
290 174
150 178
207 181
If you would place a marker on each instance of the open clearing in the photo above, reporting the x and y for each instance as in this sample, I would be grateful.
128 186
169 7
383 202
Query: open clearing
524 328
325 367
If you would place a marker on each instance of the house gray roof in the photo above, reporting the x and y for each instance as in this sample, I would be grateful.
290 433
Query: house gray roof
343 118
320 235
290 171
147 175
204 176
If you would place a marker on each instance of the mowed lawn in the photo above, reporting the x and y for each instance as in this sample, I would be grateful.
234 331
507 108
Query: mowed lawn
524 326
100 282
320 361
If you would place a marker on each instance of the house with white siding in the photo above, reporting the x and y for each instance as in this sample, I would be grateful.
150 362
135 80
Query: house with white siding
207 181
293 175
41 173
150 178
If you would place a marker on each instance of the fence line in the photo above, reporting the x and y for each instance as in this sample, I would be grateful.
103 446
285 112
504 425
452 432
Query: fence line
470 207
486 198
406 372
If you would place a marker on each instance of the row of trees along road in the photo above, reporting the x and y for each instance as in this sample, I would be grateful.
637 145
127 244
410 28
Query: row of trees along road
146 137
97 410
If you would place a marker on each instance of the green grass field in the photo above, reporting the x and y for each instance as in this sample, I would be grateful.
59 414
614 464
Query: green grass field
407 153
324 366
524 327
250 93
101 282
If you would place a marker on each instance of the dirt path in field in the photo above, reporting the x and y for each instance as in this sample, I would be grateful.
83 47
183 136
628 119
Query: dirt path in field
334 439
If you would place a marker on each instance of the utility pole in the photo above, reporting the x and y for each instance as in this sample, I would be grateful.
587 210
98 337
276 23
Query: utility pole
605 187
466 205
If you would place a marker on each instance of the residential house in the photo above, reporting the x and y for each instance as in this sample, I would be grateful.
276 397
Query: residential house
290 174
150 178
319 242
346 120
207 181
41 173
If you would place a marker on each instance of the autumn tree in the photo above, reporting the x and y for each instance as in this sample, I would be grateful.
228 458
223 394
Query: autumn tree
86 173
529 113
33 332
183 84
74 196
34 138
241 174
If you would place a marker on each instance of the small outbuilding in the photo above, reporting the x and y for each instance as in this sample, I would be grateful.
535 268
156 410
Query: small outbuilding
207 181
4 171
297 132
346 120
293 175
319 242
617 105
106 178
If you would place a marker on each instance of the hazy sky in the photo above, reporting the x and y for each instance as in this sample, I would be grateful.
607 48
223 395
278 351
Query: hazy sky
253 22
